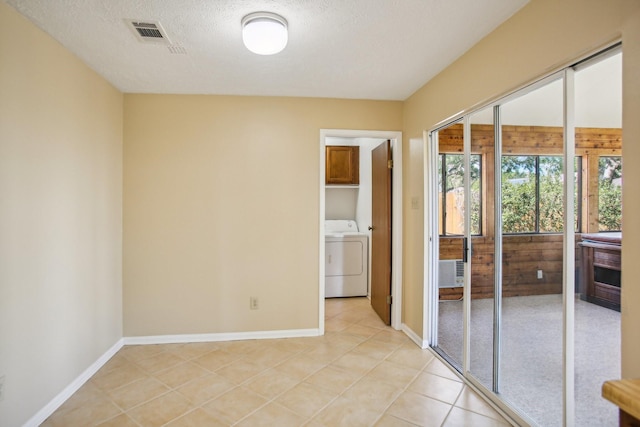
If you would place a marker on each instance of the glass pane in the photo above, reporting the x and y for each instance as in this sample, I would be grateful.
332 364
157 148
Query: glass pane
441 196
610 193
519 194
598 89
450 283
577 194
454 197
476 193
454 210
531 365
482 266
551 194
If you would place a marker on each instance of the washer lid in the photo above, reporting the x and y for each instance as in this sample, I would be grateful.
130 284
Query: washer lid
340 226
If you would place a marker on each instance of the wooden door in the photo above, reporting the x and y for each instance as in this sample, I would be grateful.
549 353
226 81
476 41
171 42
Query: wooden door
381 231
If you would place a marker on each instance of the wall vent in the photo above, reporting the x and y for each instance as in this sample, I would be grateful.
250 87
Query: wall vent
450 273
149 31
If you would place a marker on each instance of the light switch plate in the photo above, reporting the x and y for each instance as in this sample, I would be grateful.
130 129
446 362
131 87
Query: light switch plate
415 203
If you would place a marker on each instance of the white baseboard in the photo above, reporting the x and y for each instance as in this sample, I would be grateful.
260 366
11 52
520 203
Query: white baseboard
75 385
227 336
414 337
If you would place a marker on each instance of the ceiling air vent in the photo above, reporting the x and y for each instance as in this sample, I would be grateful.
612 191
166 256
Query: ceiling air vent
175 49
149 31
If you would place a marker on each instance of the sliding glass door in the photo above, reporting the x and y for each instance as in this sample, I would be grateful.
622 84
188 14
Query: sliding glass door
522 185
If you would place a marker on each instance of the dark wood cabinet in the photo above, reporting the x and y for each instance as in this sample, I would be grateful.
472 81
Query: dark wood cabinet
342 165
600 269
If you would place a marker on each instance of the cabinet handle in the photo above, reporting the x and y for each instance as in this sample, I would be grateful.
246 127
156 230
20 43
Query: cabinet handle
370 227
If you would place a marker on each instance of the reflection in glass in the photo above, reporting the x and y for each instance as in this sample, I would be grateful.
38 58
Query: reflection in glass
451 225
598 95
451 200
531 363
481 333
610 193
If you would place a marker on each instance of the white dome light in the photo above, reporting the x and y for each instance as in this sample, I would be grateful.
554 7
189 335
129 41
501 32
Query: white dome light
264 33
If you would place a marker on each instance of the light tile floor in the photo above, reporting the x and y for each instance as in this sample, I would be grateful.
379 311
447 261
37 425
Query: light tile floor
360 373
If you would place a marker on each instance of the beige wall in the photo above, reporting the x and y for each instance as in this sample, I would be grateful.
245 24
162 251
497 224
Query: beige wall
631 201
544 35
60 217
221 203
413 239
221 194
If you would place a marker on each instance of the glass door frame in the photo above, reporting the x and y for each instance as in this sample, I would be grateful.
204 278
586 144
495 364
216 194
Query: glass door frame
432 245
432 249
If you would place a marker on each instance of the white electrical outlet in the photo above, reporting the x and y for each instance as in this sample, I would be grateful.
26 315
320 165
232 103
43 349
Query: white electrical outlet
539 274
1 387
253 303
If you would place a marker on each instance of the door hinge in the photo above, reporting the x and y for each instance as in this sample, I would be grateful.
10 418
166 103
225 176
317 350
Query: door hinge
389 299
390 164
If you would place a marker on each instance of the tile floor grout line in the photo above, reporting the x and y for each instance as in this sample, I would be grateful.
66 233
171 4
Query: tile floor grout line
341 394
452 406
360 334
406 387
344 391
140 403
272 400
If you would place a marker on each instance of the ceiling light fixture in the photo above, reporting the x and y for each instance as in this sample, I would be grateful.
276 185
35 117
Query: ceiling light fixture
264 33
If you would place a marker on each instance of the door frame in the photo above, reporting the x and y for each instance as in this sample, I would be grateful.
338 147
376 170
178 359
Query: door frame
396 218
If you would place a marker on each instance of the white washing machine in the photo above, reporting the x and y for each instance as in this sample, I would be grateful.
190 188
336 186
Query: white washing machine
346 259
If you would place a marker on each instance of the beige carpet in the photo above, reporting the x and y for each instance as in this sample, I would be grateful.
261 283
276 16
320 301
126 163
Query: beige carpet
531 372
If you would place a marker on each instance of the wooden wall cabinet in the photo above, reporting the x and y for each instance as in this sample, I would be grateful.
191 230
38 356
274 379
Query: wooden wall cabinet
342 165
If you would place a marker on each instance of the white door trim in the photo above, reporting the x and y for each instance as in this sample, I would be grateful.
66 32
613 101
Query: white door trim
396 213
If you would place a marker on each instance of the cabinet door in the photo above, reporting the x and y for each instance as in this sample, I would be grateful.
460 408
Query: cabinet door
342 165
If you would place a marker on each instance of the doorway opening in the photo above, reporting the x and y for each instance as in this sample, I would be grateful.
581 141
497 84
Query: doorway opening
353 202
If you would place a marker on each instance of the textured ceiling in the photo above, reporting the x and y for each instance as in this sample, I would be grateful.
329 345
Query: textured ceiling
366 49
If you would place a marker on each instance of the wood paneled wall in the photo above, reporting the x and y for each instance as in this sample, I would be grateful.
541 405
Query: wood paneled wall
539 140
524 255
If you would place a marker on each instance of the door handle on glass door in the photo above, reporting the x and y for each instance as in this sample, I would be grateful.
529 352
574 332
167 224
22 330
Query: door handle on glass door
465 249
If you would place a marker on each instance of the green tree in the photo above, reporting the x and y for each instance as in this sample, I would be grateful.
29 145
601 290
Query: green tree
521 175
551 195
609 193
518 194
518 205
610 207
